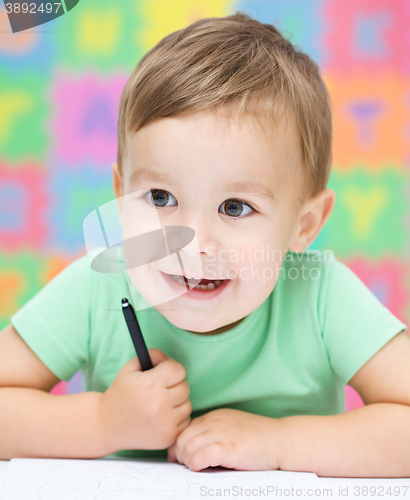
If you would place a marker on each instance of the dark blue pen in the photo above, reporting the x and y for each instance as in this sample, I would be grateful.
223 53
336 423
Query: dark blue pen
136 335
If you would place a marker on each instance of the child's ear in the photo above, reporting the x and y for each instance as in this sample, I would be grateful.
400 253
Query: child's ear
118 186
311 219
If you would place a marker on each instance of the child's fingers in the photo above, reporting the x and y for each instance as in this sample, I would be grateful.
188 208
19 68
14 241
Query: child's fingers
157 356
169 372
183 413
179 393
184 424
131 366
171 454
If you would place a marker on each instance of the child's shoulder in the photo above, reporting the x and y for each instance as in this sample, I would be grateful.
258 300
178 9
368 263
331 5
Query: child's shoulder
317 277
81 278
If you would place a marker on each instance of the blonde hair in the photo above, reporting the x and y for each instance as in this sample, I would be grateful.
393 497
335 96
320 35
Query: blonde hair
238 62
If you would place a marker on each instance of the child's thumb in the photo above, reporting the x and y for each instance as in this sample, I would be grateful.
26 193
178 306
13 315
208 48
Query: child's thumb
157 356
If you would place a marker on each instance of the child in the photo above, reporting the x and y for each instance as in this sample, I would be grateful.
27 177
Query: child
228 127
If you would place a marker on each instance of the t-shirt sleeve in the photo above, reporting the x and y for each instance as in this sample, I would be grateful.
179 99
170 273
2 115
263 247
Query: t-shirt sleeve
355 324
55 323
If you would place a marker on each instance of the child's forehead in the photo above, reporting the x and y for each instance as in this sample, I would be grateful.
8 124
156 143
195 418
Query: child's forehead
222 123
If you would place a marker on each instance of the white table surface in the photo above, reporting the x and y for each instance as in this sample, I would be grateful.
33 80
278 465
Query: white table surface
326 481
4 464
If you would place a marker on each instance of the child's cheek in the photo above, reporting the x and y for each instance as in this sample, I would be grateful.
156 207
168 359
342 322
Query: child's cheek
244 253
258 265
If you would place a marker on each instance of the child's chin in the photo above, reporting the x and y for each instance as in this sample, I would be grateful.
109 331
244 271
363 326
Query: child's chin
181 319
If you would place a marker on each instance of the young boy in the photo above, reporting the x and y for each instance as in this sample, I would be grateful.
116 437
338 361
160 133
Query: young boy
228 127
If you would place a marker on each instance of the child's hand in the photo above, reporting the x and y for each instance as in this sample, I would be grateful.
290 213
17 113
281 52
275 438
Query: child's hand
230 438
146 410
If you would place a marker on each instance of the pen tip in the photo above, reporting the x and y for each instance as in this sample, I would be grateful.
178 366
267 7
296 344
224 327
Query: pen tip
124 301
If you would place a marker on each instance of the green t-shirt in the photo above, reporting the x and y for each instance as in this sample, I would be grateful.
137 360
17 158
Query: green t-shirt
290 356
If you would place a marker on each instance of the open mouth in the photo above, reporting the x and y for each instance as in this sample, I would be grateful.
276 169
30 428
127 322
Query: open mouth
201 285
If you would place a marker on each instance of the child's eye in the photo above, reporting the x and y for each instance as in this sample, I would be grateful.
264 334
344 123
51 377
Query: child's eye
234 208
160 197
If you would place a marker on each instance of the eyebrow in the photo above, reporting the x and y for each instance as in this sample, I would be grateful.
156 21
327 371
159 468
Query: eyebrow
143 175
253 187
249 187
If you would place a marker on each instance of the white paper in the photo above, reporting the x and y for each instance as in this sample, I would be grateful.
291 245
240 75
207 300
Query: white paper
63 479
155 479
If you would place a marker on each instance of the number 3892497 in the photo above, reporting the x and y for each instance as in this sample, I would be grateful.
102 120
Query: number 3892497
32 8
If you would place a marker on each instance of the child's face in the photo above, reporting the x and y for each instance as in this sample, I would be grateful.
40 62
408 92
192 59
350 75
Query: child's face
206 163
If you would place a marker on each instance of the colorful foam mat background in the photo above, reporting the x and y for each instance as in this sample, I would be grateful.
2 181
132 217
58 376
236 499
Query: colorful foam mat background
59 90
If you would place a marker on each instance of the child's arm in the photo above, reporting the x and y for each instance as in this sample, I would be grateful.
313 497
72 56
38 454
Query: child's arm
140 410
34 423
373 441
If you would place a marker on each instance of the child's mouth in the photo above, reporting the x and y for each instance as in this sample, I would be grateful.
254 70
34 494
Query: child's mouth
204 289
202 285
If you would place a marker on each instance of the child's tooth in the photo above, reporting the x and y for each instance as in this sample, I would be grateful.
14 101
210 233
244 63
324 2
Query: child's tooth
209 286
